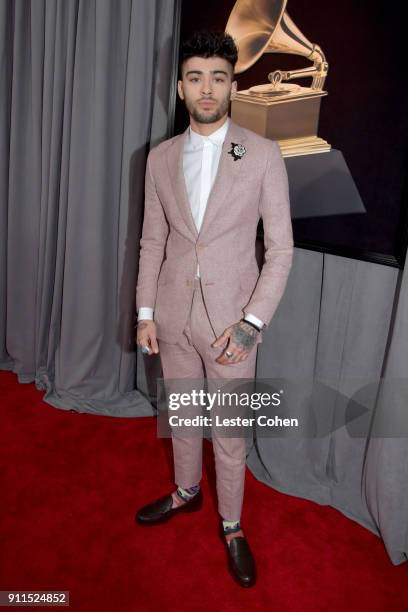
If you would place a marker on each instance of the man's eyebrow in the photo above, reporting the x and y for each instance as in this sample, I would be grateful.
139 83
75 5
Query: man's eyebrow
201 72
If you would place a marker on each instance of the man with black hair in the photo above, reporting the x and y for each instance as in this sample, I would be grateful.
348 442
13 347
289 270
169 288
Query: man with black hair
199 286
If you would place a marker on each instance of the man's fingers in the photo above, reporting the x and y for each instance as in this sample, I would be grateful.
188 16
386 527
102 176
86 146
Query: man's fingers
232 347
221 339
238 354
154 344
151 343
223 358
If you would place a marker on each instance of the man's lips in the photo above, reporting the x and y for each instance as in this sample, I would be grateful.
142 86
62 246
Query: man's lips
206 102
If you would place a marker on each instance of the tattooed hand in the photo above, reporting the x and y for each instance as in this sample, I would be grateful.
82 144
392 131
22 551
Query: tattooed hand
242 337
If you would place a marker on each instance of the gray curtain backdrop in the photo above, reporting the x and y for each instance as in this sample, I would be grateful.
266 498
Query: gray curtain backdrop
85 89
345 322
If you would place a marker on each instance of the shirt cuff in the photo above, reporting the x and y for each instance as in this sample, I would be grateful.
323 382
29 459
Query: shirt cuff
253 319
145 312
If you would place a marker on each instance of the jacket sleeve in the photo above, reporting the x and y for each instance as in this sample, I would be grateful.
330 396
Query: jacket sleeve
274 208
155 230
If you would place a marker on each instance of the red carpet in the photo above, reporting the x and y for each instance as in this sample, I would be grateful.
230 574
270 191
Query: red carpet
70 485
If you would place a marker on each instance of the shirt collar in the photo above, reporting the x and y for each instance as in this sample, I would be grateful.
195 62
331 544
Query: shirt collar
217 137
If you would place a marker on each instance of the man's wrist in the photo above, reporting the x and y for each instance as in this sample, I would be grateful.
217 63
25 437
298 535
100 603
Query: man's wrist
251 324
145 313
251 318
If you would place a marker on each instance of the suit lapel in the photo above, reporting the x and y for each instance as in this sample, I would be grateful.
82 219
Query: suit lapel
177 181
227 173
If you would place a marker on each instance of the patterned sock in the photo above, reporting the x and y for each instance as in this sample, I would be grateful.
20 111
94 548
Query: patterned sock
230 526
187 494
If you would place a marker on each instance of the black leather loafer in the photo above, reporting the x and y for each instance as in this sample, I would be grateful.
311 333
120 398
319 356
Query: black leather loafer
241 563
161 509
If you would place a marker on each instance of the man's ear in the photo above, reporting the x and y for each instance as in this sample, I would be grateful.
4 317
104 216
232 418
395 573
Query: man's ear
234 86
180 89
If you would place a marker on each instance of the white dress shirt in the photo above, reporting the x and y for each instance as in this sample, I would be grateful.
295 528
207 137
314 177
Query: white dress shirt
201 157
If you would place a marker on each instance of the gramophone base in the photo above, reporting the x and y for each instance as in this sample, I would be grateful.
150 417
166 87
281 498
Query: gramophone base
303 146
293 122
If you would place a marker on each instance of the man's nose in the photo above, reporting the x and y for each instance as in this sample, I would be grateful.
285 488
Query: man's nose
207 88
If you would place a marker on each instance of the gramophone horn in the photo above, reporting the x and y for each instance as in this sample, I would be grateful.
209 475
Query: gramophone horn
263 26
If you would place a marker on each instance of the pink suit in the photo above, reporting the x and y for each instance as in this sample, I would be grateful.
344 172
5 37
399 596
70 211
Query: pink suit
189 312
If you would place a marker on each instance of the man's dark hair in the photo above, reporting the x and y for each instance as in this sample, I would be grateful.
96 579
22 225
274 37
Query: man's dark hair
205 43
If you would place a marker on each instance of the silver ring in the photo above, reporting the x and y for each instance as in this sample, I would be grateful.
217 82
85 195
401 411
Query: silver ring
228 353
145 349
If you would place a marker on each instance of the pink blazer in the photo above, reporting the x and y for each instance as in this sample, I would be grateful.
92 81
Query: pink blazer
254 185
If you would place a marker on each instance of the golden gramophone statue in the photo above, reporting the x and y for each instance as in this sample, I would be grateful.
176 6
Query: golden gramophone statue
282 111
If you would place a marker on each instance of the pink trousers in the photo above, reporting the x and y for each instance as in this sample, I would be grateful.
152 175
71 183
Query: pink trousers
193 357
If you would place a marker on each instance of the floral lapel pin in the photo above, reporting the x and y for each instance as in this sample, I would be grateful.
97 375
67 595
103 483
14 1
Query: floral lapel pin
237 150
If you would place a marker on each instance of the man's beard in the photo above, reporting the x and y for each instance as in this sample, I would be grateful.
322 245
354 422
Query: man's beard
206 116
